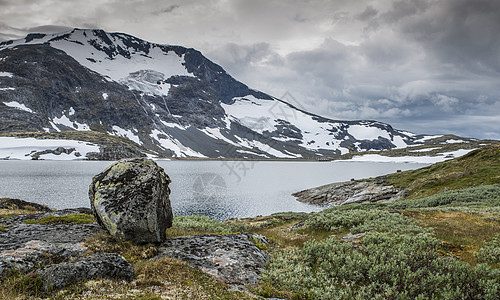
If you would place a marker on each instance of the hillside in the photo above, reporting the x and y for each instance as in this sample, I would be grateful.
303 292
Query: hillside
479 167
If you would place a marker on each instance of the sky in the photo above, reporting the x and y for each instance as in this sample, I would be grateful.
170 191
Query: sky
426 66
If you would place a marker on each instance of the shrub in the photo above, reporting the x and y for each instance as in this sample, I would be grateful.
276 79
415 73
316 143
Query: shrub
385 266
359 220
482 196
205 224
490 252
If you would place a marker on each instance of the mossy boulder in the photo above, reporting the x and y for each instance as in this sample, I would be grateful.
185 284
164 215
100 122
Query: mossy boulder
130 199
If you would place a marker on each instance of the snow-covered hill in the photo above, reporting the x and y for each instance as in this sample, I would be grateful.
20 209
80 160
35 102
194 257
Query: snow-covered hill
169 99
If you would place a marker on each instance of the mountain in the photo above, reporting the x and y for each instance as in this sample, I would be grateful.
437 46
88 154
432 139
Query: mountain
170 100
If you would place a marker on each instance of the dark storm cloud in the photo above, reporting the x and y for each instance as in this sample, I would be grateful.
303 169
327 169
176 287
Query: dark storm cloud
463 33
367 14
48 29
167 10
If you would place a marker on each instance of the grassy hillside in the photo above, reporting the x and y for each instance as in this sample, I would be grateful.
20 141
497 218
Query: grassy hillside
479 167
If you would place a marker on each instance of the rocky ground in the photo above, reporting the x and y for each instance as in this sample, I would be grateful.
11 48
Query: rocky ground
48 239
354 191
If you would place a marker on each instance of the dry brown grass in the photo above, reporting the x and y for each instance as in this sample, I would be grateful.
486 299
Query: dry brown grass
462 233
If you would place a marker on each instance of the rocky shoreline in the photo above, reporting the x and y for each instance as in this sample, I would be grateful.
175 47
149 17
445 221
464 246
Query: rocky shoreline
354 191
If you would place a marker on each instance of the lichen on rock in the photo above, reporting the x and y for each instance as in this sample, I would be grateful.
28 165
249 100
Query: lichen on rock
130 199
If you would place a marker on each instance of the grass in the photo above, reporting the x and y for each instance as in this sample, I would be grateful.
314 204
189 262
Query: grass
462 233
164 278
67 219
478 167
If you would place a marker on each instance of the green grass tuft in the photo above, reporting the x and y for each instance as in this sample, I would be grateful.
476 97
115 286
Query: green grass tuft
67 219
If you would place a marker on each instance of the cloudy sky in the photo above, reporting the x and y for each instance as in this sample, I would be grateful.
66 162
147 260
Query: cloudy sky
427 66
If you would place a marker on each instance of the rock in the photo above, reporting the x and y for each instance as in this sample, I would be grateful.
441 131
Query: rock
36 253
348 192
233 259
351 237
26 246
8 203
96 266
130 199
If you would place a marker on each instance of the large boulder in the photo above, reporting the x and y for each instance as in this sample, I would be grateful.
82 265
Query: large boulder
130 199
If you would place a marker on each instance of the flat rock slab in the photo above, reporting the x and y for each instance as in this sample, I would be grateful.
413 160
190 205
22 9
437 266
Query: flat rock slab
95 266
233 259
25 246
355 191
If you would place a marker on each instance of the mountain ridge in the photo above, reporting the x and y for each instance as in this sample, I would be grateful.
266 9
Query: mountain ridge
169 99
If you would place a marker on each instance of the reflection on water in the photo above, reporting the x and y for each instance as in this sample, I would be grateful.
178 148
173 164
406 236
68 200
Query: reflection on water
222 190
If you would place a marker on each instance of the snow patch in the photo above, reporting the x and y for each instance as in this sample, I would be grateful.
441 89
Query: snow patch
18 105
6 74
63 120
412 159
126 133
7 89
24 148
452 141
427 137
363 132
105 96
169 143
172 124
425 149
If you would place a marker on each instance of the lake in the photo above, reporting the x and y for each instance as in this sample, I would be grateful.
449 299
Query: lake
219 189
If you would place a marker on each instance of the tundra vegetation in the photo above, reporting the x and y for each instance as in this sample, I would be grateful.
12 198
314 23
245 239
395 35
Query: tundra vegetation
442 242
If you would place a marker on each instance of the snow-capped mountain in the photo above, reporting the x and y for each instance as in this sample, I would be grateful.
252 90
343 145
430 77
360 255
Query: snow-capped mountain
169 99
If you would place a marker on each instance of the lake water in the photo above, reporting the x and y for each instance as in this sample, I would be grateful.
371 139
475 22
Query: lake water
219 189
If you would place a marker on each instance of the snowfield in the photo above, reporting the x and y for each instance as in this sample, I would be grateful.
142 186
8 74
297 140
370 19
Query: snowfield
411 159
23 148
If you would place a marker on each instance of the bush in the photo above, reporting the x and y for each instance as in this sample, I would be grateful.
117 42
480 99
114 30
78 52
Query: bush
482 196
490 252
205 224
385 266
359 220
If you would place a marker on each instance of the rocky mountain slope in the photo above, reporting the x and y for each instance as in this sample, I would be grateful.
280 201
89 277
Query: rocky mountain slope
168 99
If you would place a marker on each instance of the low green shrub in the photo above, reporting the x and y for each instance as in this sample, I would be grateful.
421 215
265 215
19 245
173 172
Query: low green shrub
490 252
359 220
384 266
482 196
205 224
